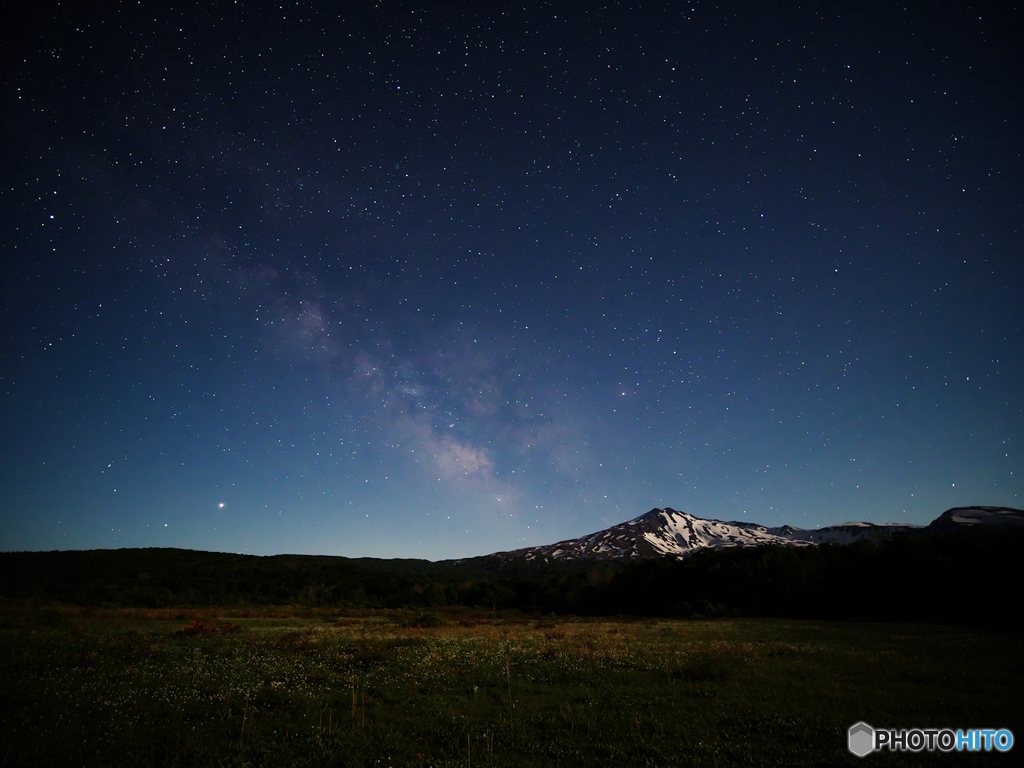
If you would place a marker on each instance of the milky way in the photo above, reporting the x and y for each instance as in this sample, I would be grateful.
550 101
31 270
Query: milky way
436 281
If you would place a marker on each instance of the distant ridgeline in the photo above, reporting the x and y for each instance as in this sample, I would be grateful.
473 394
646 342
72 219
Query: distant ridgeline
666 563
669 532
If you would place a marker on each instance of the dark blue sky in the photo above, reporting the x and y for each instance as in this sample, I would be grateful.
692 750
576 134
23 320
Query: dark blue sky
438 280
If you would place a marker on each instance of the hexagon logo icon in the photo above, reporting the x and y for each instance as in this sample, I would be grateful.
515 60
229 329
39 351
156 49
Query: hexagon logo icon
861 739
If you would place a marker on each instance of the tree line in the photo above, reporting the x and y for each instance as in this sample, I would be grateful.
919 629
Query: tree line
963 577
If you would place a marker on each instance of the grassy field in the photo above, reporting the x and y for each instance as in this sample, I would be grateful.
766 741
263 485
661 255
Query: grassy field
130 687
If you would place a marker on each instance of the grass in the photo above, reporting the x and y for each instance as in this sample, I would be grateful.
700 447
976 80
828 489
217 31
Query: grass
312 688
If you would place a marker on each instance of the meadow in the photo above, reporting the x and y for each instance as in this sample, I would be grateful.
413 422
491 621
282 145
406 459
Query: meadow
291 687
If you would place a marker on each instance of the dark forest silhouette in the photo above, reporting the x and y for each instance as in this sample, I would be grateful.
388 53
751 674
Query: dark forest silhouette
963 577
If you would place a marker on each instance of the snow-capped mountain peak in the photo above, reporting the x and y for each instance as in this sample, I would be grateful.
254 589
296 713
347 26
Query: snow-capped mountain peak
671 532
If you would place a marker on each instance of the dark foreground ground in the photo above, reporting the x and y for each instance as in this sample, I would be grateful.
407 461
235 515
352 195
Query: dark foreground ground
284 687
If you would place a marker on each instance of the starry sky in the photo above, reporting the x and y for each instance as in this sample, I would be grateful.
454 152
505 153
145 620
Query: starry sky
438 280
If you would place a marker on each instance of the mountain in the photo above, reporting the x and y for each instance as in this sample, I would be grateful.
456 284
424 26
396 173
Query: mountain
670 532
960 518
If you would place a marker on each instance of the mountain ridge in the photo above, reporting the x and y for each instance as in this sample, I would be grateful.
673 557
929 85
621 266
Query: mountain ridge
666 531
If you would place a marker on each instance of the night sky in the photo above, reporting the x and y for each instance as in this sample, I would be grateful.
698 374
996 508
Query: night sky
440 280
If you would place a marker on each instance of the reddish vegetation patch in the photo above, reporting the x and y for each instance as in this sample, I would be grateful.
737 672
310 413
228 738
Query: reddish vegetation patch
199 628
